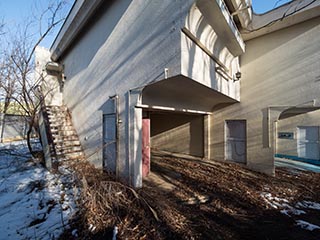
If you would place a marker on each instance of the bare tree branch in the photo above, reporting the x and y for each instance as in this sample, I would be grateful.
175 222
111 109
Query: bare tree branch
17 79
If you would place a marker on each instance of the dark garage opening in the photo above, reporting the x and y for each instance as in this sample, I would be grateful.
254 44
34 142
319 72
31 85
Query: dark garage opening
177 133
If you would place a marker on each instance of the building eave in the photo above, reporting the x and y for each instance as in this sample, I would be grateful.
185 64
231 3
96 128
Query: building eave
281 17
78 17
220 19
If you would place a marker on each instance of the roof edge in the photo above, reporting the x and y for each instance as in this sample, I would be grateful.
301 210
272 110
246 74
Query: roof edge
281 17
78 16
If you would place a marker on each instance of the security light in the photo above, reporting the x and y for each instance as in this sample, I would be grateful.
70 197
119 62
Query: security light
237 76
54 67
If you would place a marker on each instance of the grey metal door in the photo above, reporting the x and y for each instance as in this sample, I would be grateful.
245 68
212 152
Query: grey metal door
308 142
236 141
109 141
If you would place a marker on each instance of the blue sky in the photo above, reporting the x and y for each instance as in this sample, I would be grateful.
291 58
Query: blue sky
18 12
262 6
15 12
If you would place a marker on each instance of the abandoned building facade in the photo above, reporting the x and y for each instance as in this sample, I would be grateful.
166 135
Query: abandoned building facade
207 78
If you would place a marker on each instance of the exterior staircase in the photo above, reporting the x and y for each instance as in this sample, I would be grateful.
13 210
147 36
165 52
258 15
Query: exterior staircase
63 139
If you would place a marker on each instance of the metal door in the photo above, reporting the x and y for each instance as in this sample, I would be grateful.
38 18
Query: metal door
308 142
145 147
109 141
236 141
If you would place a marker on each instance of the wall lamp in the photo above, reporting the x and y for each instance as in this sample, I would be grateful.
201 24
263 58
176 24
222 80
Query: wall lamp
54 67
237 76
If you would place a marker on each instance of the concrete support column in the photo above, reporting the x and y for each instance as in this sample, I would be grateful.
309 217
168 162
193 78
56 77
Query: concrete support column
270 120
135 138
206 135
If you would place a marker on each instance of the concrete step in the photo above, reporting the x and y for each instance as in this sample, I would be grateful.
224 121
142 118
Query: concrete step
56 122
63 132
67 153
56 125
73 155
58 138
56 108
62 128
74 142
59 117
68 148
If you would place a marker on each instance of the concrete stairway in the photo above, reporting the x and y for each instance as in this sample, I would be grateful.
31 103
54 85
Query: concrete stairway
66 142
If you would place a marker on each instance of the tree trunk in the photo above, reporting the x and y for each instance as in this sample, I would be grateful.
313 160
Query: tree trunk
29 136
2 126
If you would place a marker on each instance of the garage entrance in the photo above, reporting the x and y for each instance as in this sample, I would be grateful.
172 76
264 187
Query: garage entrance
177 133
171 132
178 110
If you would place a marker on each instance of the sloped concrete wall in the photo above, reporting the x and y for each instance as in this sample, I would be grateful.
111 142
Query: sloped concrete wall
126 46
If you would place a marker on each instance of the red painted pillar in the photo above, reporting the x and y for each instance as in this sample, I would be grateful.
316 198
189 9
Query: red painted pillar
145 147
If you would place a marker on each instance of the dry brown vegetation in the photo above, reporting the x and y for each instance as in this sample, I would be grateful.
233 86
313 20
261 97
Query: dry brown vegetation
190 199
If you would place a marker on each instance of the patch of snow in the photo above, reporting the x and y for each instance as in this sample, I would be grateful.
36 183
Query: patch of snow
307 225
282 204
92 228
292 211
275 202
309 204
34 203
74 232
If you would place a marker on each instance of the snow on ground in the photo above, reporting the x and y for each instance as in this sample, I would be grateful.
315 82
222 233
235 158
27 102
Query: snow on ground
306 225
308 204
34 203
274 202
300 208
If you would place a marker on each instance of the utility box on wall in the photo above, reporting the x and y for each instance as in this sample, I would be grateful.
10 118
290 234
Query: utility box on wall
286 135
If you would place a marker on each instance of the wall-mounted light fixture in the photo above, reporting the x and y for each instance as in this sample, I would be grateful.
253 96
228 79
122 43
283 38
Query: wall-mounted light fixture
166 73
54 67
237 76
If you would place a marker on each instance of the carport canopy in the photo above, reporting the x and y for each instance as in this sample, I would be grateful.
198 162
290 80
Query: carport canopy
293 111
182 93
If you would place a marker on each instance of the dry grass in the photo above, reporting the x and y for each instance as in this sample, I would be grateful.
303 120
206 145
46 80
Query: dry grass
210 201
106 203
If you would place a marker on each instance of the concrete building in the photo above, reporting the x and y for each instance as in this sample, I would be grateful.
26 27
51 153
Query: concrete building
207 78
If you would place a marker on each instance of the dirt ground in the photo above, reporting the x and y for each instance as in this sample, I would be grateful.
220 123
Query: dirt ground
212 200
188 198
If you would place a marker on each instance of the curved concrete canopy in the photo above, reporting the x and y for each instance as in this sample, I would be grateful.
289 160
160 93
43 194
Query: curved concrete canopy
183 93
293 111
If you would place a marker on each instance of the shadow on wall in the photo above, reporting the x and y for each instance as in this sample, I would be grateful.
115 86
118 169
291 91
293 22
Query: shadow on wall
122 50
179 133
277 39
197 24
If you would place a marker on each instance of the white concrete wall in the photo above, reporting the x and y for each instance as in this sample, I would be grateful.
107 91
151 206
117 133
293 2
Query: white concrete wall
289 146
128 46
197 65
281 68
125 47
51 86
